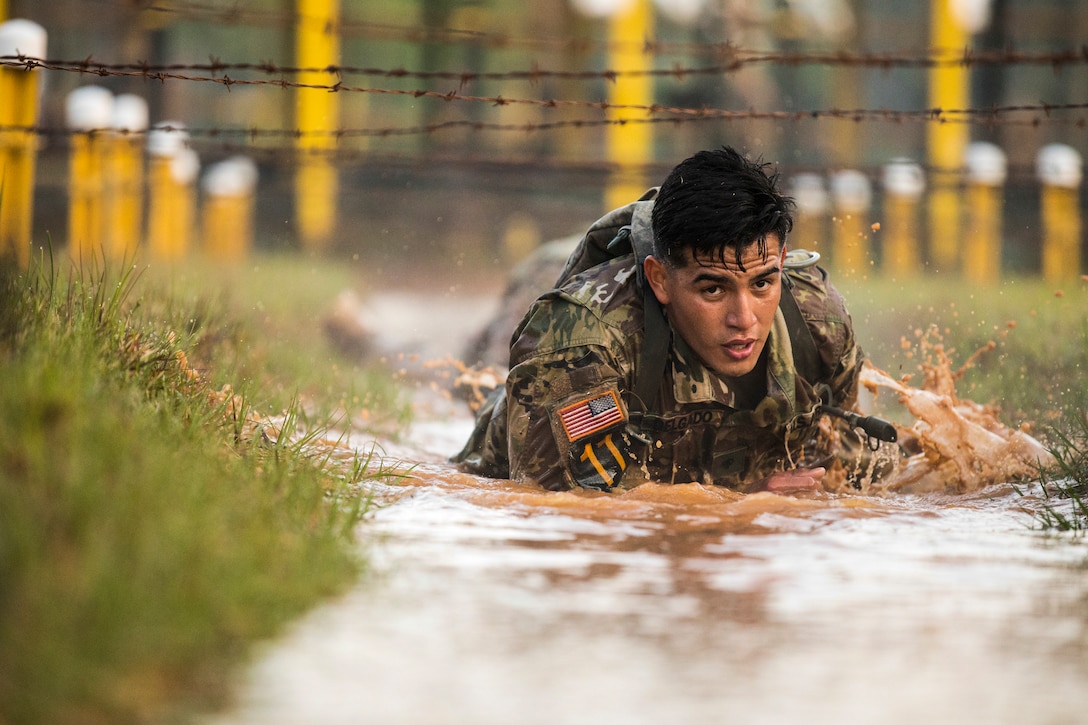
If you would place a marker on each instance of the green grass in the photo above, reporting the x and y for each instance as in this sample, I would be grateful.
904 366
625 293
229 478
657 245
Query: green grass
1067 480
262 323
1036 370
146 539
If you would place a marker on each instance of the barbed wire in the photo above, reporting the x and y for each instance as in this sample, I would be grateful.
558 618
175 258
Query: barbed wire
739 59
990 115
978 116
508 163
237 15
253 135
349 27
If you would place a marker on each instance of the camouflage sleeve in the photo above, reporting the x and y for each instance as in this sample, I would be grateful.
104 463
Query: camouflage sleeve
824 309
565 400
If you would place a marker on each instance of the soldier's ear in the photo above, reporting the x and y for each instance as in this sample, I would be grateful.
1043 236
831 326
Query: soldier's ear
658 277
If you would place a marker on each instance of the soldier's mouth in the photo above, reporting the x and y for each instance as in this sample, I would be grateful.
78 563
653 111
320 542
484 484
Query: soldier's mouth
739 349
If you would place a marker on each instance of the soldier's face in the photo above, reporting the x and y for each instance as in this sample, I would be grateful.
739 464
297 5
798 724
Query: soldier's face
724 312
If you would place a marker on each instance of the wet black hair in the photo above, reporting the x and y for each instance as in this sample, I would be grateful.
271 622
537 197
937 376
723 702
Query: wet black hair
716 201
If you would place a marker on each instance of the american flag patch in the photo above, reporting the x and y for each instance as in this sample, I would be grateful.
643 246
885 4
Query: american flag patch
589 416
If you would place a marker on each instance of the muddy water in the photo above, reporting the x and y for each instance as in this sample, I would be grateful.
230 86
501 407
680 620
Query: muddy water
490 602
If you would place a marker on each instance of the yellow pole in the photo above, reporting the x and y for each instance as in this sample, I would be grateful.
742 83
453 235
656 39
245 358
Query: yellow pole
89 111
629 146
1060 169
986 170
903 186
317 111
809 226
160 211
184 170
125 195
166 211
228 209
81 192
949 88
853 195
221 217
18 107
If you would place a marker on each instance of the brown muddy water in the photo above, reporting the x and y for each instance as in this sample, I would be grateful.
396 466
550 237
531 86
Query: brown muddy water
490 602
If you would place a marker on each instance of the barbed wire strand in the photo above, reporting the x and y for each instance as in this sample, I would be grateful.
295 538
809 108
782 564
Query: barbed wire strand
881 61
255 134
236 15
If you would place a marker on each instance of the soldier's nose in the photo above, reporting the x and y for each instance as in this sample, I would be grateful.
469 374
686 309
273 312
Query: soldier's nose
740 314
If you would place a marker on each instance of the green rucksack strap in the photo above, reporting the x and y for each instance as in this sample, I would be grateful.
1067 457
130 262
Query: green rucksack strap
656 340
806 358
657 335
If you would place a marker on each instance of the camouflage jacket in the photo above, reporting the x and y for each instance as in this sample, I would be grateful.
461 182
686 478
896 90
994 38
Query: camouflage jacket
567 417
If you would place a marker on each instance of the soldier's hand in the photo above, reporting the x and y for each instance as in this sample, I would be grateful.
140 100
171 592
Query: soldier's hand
799 479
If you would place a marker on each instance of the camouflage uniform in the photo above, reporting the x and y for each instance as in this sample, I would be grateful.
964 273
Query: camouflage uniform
567 415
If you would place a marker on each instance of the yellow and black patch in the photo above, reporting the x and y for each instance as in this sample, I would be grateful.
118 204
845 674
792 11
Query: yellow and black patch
599 463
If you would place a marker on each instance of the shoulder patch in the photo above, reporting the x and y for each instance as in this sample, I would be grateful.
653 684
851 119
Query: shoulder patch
801 258
599 463
589 432
590 415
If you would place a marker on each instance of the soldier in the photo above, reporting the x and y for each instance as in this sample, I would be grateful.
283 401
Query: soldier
680 344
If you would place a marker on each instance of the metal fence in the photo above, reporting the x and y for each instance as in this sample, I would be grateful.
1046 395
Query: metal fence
495 149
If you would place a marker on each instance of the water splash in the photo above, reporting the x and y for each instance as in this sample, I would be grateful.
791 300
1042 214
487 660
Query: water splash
953 444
